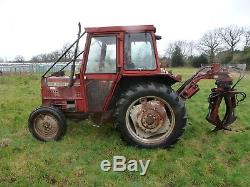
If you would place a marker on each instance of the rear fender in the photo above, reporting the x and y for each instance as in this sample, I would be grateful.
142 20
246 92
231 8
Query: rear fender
126 82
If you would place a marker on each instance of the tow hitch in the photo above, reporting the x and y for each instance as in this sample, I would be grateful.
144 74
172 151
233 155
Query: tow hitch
224 90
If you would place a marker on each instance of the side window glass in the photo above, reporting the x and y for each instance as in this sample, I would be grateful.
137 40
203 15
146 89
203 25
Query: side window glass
139 52
102 55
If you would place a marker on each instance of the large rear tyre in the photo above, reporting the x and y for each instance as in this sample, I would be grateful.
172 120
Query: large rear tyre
47 124
150 115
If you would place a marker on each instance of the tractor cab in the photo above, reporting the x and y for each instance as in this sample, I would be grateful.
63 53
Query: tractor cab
111 56
137 51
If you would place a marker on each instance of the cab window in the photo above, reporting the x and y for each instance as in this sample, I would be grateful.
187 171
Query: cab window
102 55
139 52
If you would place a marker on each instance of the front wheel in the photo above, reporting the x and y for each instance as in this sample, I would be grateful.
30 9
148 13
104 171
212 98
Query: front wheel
151 115
47 124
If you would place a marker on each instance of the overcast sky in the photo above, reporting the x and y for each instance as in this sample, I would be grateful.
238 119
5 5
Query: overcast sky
30 27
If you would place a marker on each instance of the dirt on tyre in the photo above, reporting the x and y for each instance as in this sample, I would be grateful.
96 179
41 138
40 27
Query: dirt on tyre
47 124
150 115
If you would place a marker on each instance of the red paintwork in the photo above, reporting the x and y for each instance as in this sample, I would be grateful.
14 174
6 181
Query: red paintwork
77 92
212 72
59 95
135 28
223 90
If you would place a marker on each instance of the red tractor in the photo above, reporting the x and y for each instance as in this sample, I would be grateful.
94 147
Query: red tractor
121 80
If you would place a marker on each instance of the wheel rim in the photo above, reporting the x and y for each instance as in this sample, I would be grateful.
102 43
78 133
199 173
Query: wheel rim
150 119
46 126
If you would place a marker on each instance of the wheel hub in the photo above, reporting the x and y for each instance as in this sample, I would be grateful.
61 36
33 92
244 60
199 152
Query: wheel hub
46 126
149 118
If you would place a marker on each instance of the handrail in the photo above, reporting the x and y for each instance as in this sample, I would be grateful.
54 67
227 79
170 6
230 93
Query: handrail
71 61
77 40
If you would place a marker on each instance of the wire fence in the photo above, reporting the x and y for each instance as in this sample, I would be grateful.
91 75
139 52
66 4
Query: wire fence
33 67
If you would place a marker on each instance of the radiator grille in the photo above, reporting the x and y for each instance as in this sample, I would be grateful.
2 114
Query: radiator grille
53 93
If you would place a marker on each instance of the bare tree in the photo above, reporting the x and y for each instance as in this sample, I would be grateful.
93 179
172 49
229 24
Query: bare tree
19 58
185 47
210 44
170 49
247 38
40 58
231 36
46 57
53 56
190 48
69 55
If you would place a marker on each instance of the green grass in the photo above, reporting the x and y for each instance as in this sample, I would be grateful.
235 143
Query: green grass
200 158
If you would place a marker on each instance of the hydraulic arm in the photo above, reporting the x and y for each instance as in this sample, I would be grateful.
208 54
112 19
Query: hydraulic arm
224 90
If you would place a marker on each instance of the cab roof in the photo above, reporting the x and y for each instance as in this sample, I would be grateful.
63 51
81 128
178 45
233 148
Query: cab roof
134 28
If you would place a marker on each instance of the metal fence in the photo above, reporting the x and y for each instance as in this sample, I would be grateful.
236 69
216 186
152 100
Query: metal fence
33 67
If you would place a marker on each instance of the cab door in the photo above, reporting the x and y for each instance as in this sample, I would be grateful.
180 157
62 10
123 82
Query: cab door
100 70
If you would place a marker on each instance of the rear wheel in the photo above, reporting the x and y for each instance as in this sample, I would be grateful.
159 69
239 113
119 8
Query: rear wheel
150 115
47 124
